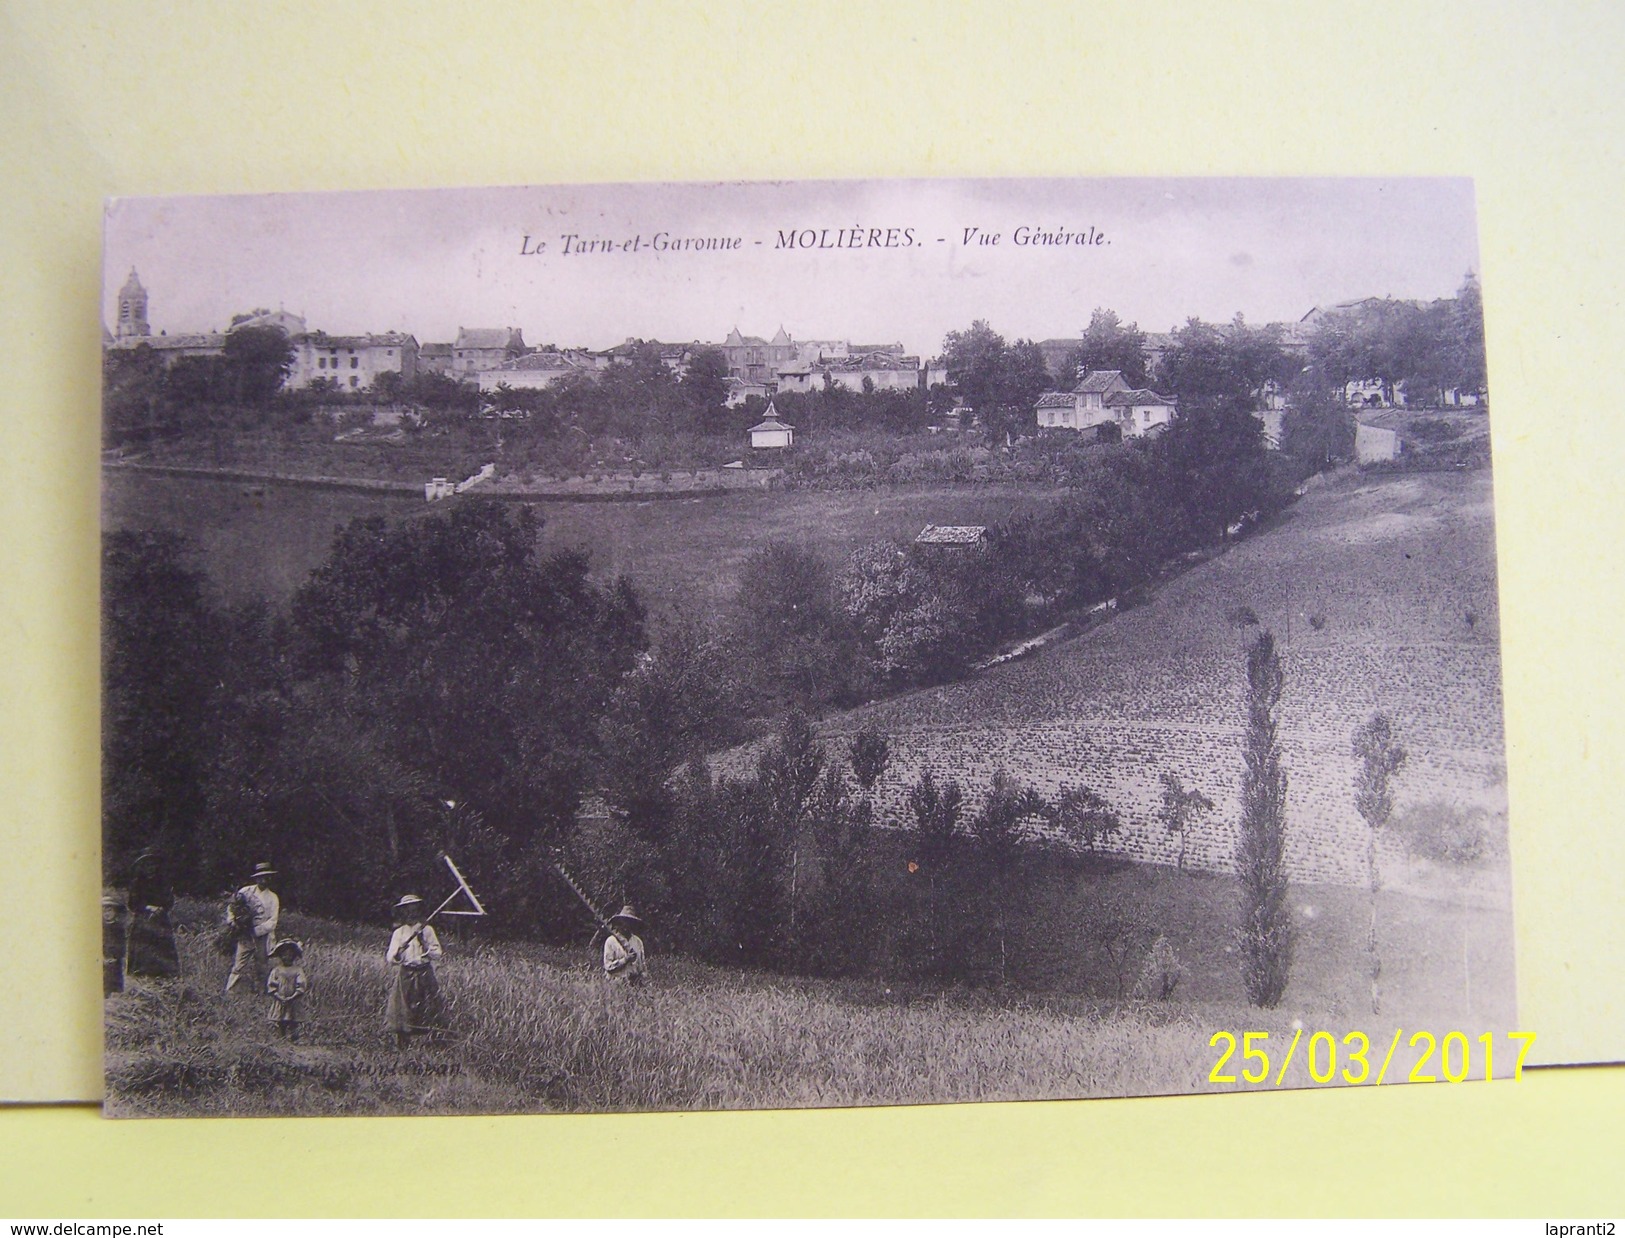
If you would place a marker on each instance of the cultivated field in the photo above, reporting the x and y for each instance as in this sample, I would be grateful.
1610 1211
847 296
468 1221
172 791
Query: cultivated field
1382 596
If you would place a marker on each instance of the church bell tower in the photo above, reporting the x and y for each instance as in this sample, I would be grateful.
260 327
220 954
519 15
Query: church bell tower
132 310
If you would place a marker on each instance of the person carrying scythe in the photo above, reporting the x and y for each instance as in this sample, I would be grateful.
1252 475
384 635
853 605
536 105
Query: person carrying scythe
415 1004
624 959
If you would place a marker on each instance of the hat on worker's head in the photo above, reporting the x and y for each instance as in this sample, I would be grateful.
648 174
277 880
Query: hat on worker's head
408 901
289 945
626 915
263 870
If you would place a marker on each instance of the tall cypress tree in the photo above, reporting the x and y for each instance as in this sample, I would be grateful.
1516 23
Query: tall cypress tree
1266 933
1380 758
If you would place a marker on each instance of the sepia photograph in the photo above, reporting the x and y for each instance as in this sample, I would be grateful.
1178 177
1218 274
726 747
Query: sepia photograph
768 645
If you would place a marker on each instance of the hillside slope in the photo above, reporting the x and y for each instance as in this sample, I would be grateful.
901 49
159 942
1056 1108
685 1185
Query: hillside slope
1382 596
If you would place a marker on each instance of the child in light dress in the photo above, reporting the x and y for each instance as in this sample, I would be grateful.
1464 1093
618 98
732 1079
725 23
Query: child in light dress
286 987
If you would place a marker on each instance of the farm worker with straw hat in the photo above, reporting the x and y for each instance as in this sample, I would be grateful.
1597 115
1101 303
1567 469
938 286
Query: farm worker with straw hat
253 912
414 994
625 962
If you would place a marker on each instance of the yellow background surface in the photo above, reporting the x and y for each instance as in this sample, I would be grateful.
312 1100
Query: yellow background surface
127 99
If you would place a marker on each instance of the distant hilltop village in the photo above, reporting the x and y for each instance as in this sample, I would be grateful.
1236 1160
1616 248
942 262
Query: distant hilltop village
496 357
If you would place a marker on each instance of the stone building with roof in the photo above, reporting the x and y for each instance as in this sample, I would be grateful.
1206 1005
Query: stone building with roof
537 370
351 362
874 370
484 348
754 359
1102 397
675 357
434 358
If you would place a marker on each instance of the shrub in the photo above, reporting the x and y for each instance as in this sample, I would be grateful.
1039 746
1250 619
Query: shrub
1161 972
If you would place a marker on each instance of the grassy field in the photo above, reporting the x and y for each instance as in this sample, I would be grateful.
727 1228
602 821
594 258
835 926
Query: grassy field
256 540
263 539
533 1028
1382 596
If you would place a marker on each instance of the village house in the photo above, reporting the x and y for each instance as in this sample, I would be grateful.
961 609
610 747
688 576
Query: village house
771 434
1141 411
799 377
739 390
170 348
351 362
535 371
434 358
675 357
484 348
814 351
1104 397
1056 352
754 359
874 371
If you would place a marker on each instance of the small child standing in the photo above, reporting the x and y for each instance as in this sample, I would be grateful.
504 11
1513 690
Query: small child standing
286 987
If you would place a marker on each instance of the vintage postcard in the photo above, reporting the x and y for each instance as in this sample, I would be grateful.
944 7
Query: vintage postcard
706 646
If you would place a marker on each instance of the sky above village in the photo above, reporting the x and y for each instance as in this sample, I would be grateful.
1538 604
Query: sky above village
865 261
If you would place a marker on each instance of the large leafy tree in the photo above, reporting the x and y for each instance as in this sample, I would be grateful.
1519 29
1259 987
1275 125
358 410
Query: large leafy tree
475 660
705 385
974 359
788 624
1223 367
161 640
257 362
132 394
1108 344
679 701
1423 348
1181 806
1214 467
1000 830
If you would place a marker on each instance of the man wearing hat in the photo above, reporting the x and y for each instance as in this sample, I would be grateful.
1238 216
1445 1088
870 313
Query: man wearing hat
258 908
414 994
623 949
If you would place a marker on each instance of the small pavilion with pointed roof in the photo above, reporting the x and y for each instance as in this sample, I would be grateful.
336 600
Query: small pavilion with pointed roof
771 434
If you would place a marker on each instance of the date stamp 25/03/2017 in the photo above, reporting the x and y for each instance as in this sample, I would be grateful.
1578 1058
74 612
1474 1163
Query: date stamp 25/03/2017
1244 1058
